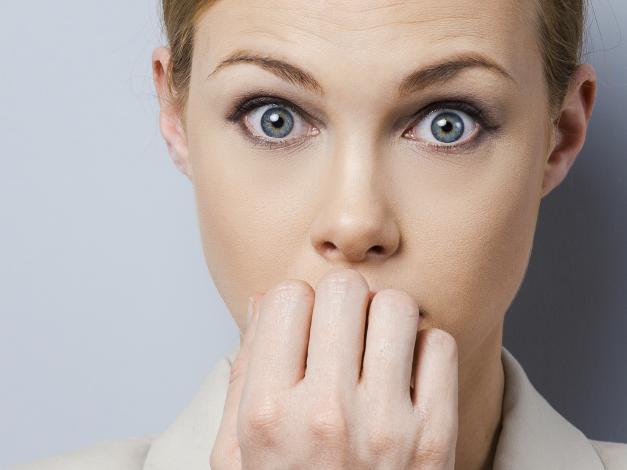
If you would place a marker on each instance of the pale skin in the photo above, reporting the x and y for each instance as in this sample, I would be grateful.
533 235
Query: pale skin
362 232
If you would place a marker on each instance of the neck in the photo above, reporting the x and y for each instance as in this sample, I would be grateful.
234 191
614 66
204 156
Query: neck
481 386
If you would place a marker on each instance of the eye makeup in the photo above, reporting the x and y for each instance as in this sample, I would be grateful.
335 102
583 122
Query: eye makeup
484 115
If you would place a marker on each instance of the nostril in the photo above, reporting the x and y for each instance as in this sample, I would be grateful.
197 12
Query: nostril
378 249
328 246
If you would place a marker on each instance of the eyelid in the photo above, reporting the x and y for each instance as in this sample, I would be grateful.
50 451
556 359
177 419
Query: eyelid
427 116
252 101
483 125
247 102
470 109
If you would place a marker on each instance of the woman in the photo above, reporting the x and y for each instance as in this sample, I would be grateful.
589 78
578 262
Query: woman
370 173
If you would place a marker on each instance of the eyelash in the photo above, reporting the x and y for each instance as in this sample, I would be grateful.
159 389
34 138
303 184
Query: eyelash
247 104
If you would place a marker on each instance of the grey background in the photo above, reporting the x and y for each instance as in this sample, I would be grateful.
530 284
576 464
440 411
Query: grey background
109 320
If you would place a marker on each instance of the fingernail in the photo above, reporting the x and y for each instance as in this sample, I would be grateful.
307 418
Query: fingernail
249 312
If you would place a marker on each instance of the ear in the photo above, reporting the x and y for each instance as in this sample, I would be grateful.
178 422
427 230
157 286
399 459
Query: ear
570 126
170 119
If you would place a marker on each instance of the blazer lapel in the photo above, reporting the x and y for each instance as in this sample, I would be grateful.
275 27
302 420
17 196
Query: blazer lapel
533 436
188 442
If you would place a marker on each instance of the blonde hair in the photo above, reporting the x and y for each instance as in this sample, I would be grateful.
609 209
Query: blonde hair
560 29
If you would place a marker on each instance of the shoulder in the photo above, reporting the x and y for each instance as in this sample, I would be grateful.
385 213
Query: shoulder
118 454
613 454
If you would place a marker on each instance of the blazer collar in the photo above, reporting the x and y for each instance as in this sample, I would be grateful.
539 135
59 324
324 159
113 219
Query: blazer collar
533 435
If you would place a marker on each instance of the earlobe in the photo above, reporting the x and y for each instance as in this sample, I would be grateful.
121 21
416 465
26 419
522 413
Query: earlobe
570 127
170 119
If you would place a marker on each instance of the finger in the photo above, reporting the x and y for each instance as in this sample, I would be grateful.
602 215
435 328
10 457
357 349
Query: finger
336 340
390 342
436 379
226 446
257 296
279 350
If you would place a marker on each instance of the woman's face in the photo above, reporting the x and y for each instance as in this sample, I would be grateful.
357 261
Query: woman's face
408 142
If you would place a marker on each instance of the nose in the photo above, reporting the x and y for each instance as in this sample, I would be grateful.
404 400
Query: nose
355 224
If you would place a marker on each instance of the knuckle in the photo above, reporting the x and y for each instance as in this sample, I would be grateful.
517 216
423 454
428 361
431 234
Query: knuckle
261 422
381 441
328 427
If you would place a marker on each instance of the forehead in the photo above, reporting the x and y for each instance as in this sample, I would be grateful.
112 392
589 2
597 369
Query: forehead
379 38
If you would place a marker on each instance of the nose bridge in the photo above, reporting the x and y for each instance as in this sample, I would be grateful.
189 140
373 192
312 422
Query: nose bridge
355 153
354 171
354 221
356 160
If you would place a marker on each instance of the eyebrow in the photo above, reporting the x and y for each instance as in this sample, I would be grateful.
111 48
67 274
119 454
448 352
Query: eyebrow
415 81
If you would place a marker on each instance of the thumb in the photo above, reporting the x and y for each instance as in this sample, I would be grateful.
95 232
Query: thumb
226 452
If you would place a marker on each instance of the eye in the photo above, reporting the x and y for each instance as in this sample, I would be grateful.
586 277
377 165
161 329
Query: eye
446 127
272 123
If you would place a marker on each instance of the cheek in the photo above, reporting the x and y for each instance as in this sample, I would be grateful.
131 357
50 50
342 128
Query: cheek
251 216
225 211
475 246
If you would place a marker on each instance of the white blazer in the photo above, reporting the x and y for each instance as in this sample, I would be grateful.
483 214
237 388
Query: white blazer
534 436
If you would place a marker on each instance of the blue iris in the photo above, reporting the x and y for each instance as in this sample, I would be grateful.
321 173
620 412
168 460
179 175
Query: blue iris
447 127
276 122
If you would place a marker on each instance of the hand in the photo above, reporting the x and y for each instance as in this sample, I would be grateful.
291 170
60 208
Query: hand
298 397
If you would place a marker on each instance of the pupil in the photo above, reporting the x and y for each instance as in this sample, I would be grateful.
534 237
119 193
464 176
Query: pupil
277 124
447 127
275 118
